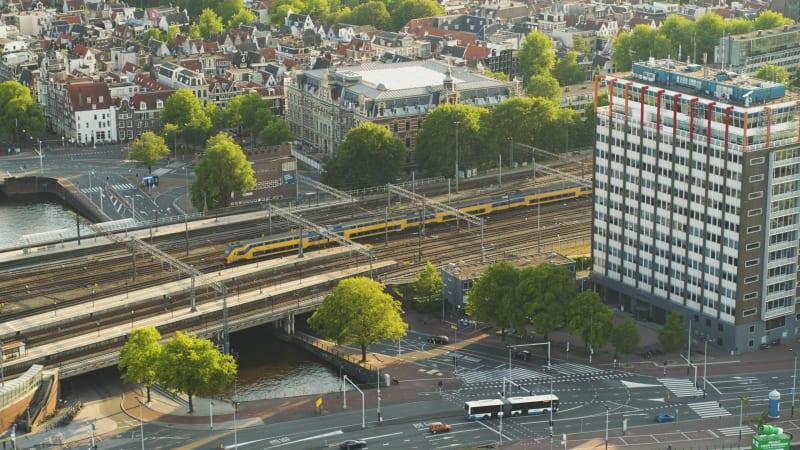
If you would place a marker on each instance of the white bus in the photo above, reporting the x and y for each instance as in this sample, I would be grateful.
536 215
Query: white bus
509 407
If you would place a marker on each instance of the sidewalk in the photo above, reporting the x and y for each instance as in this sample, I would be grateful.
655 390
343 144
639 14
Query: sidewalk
414 382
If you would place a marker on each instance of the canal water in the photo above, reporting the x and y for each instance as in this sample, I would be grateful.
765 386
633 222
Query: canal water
268 367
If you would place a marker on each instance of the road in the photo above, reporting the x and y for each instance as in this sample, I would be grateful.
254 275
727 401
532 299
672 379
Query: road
106 169
592 399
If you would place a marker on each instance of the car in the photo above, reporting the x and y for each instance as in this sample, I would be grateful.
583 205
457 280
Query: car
439 340
439 427
664 417
522 354
352 444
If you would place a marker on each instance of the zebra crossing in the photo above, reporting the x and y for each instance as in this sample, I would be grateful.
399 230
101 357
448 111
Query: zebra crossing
709 409
491 375
116 187
734 431
681 387
577 369
559 371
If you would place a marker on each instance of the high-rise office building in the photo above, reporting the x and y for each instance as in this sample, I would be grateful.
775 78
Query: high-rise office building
697 201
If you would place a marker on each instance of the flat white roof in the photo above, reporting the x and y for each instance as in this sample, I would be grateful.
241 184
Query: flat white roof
408 77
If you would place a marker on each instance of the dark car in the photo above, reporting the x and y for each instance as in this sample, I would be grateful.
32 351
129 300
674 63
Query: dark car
352 444
441 340
522 354
664 417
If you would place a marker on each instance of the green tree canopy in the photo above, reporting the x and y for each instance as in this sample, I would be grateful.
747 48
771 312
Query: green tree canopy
275 132
226 9
193 366
769 72
738 25
521 119
224 169
625 336
544 86
673 336
405 10
767 20
639 45
139 357
243 16
436 139
184 110
148 149
20 115
579 44
546 290
369 156
708 29
493 297
209 23
679 31
359 312
590 319
428 284
371 13
536 56
567 71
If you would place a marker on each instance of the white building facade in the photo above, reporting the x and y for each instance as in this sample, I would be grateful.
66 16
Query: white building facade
697 202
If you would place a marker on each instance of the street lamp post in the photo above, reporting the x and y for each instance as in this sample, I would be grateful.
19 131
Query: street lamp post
705 365
457 123
141 421
794 380
606 427
741 406
379 396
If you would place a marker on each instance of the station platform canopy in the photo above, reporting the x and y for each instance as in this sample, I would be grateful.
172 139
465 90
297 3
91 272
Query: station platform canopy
115 225
46 236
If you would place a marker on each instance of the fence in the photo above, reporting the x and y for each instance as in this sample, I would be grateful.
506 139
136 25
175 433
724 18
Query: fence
13 390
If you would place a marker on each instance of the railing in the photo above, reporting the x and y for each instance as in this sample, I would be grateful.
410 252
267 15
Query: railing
13 390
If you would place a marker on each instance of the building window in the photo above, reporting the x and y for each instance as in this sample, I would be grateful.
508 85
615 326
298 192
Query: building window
751 280
757 161
749 312
751 296
753 229
750 343
756 178
755 195
752 262
753 246
752 328
754 212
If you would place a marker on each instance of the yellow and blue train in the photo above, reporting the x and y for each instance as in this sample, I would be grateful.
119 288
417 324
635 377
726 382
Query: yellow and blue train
288 242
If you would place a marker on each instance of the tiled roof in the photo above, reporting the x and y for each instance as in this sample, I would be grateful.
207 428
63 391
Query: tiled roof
150 98
89 96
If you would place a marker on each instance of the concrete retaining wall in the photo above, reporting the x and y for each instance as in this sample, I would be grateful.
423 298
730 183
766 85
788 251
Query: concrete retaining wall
58 187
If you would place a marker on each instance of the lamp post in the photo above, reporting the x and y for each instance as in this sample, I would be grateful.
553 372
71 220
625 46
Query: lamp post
794 379
141 422
705 364
457 123
2 374
741 406
606 427
379 396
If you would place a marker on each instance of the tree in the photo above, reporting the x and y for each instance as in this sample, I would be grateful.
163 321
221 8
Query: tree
625 336
139 357
184 110
796 82
544 86
546 290
673 336
19 112
209 23
770 19
194 366
276 132
502 76
579 45
519 118
153 33
405 10
428 284
359 312
371 13
567 71
641 43
493 298
708 29
226 9
769 72
590 319
243 16
536 56
148 149
224 169
369 156
436 139
679 31
738 25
